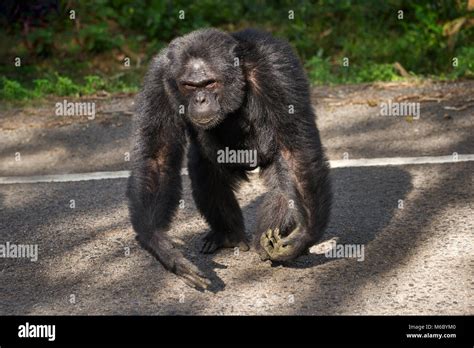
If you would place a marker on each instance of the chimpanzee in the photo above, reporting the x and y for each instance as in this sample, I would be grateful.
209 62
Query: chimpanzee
215 91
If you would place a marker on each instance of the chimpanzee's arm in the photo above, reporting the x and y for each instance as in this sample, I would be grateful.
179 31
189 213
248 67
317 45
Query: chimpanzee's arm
154 188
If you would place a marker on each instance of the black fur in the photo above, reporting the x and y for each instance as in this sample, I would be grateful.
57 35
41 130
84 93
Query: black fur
249 110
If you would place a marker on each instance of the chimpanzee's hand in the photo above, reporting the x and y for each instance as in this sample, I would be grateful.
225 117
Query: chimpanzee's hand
174 261
281 248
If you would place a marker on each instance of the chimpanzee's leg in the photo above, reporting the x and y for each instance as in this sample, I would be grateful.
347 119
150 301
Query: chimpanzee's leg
213 191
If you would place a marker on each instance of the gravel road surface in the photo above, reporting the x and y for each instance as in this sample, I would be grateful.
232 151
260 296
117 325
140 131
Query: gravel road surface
414 222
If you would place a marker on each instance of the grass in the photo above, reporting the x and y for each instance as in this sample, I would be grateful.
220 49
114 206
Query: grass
57 85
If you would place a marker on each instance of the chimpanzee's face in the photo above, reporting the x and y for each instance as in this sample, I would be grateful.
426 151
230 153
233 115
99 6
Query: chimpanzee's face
202 88
207 75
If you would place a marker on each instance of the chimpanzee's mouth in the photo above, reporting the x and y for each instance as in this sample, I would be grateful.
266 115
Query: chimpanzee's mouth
205 121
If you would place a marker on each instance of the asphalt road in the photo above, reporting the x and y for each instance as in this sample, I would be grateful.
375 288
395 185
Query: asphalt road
415 222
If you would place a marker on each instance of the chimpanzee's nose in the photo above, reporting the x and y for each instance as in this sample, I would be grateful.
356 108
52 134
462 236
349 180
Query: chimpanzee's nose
200 98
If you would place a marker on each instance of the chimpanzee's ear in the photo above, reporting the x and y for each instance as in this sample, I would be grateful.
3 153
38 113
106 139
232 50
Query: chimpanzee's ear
242 48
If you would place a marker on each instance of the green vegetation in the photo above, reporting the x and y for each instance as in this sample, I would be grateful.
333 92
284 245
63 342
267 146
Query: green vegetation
59 86
57 52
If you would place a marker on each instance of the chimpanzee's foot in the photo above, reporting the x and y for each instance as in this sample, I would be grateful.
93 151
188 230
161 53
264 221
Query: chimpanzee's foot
214 241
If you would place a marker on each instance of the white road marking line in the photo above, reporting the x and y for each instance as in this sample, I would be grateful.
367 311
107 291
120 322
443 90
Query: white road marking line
399 161
360 162
64 177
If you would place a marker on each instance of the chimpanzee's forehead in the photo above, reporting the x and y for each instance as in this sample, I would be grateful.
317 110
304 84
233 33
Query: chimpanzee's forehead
197 69
197 64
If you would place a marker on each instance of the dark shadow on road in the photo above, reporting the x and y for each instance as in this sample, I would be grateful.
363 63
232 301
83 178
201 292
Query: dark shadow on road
390 235
365 200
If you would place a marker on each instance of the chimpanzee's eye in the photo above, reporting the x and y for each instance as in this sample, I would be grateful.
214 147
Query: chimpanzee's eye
188 87
211 85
